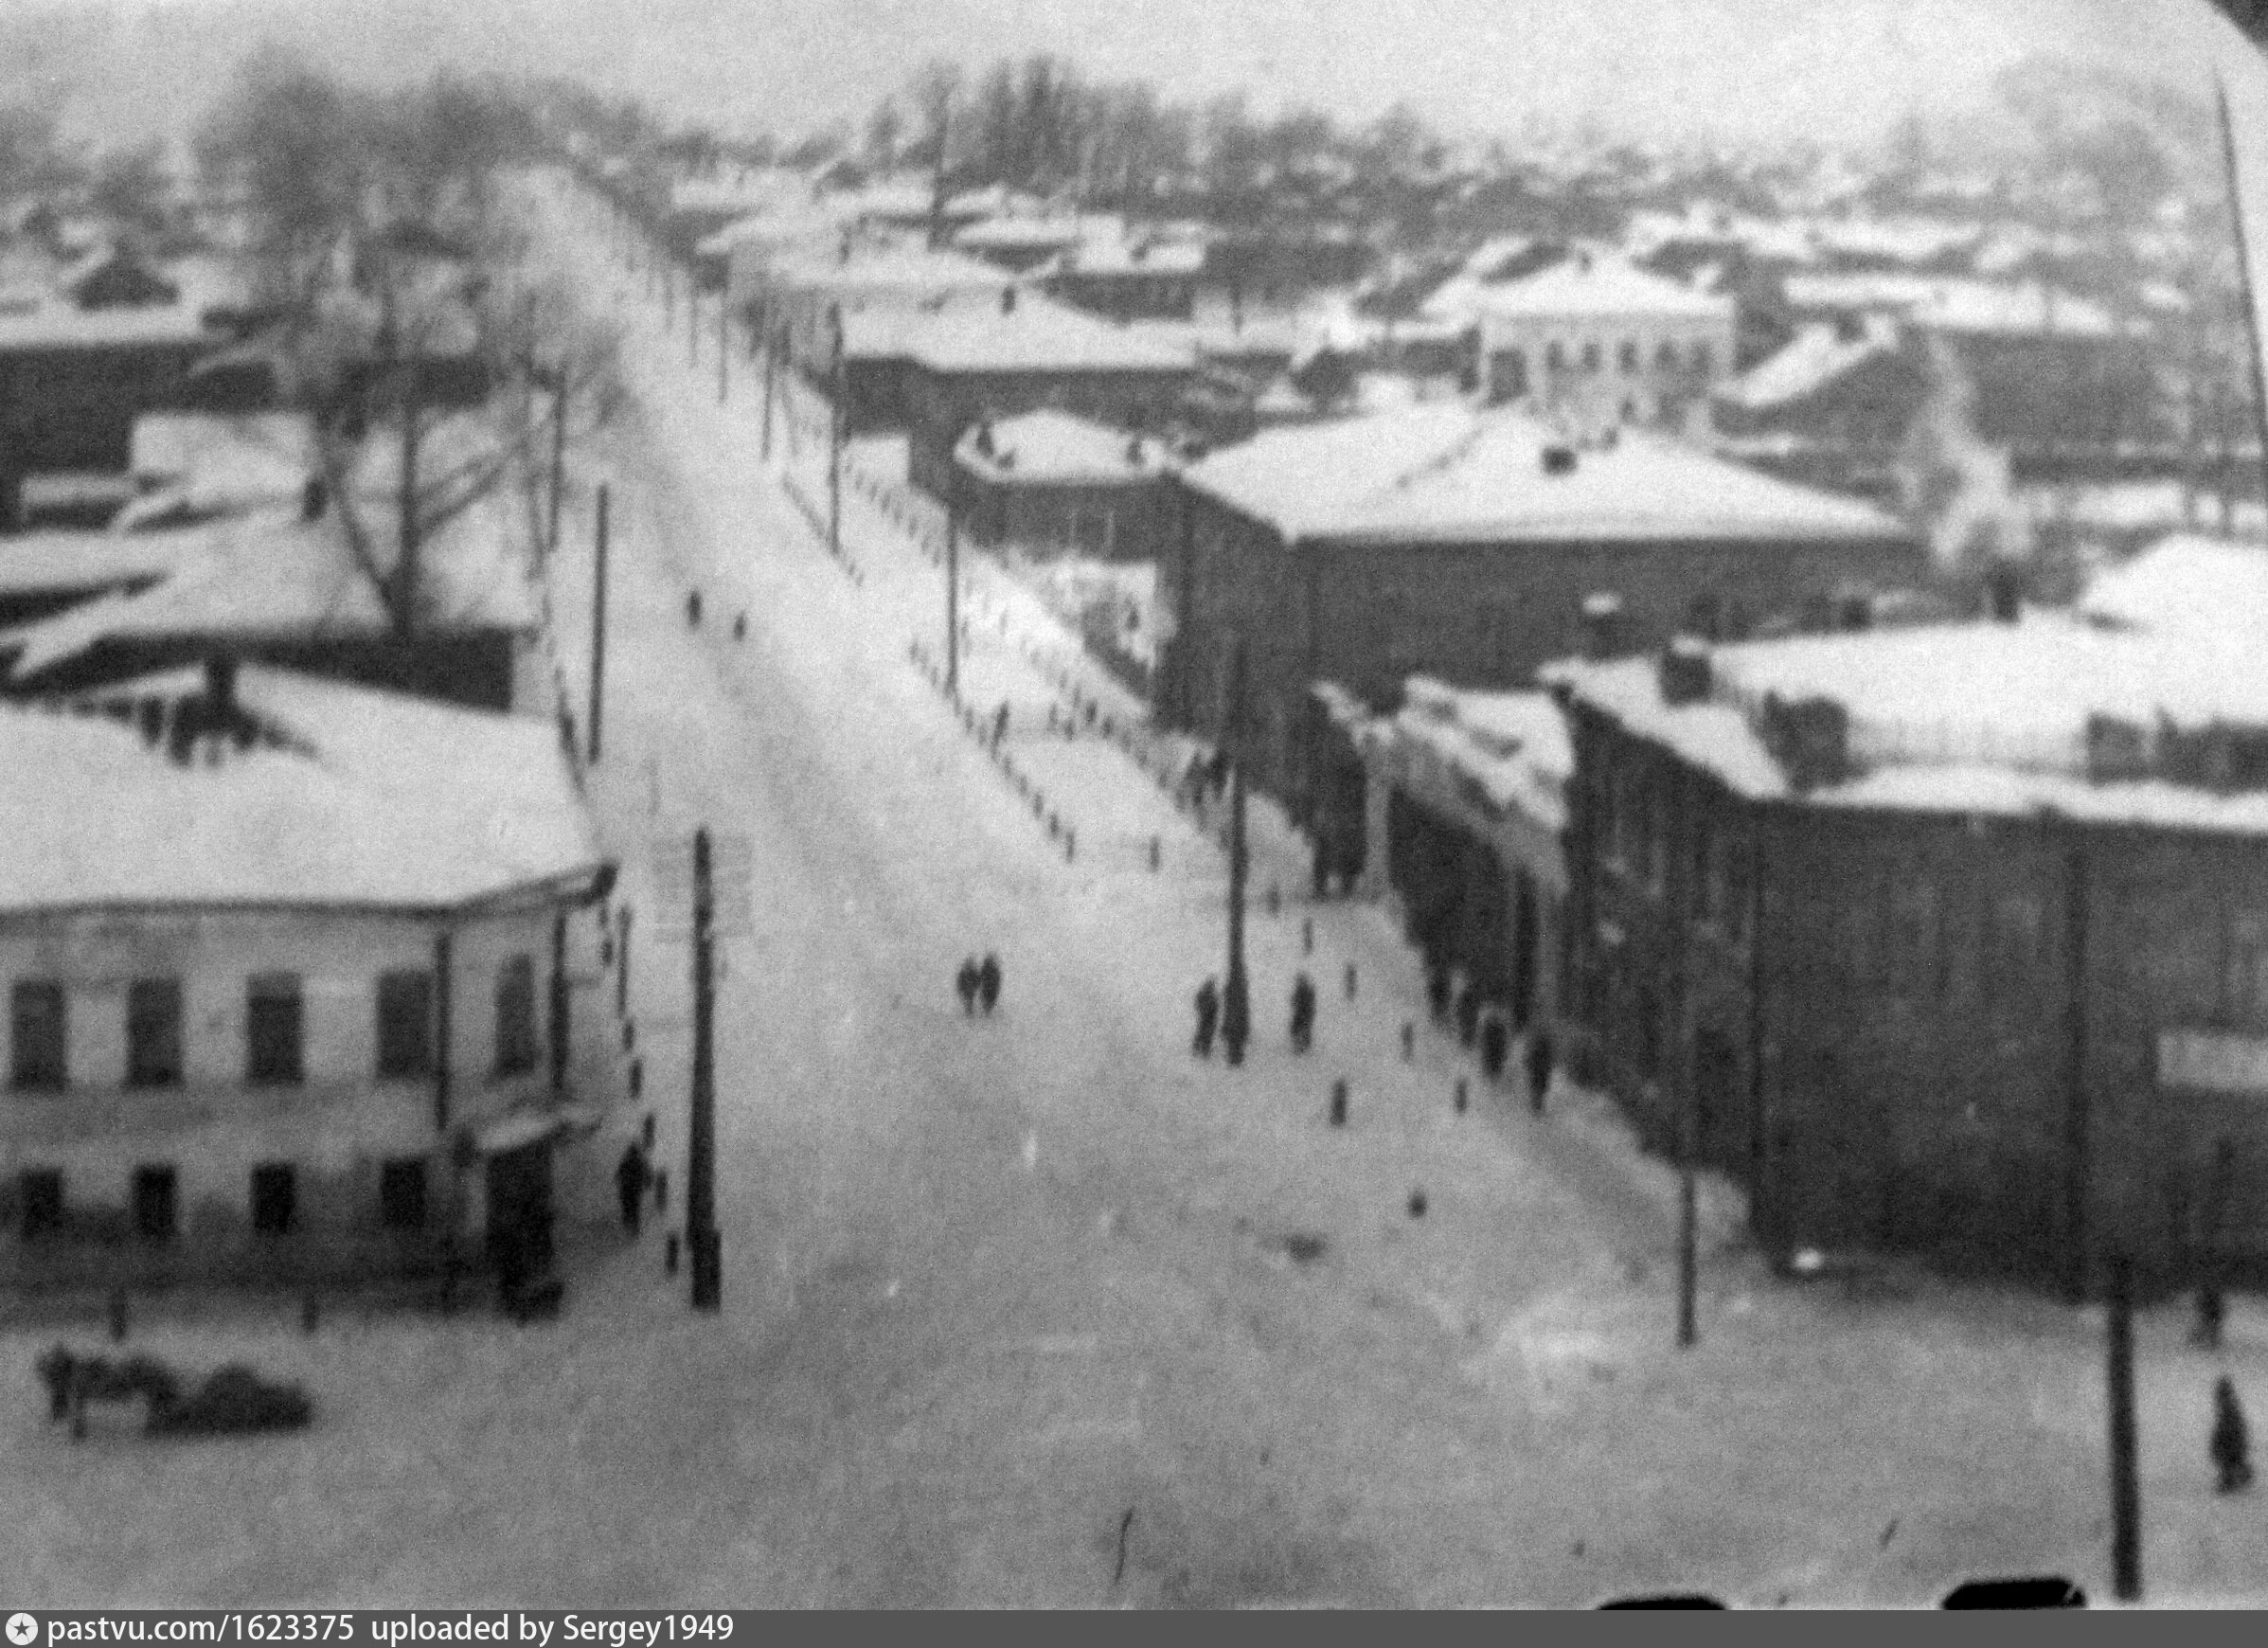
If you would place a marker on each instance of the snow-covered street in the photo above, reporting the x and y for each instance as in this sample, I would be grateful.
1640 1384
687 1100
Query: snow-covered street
1036 1308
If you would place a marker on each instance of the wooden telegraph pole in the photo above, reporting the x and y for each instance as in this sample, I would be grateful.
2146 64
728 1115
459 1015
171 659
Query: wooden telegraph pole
771 367
724 345
701 1136
1236 1006
598 627
2252 324
559 464
2126 1489
953 591
1688 1264
692 320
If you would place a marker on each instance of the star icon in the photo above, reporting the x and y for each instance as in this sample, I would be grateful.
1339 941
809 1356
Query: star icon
22 1630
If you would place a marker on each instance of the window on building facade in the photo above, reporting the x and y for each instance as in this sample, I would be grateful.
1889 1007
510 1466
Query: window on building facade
40 1200
36 1034
2246 986
1554 356
516 1016
1704 615
156 1197
401 1193
1627 356
1591 357
273 1031
1702 359
153 1033
1665 358
274 1198
405 1024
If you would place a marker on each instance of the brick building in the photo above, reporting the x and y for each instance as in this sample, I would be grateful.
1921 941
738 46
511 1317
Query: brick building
1021 355
1951 940
285 963
1466 545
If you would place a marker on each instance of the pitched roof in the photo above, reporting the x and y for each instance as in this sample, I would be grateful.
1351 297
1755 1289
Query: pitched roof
1582 286
221 459
2208 588
1970 718
1816 357
1050 447
340 796
1451 474
60 325
1040 336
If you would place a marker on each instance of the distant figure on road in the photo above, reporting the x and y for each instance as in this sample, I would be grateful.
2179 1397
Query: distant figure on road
1218 774
740 627
629 1185
1436 992
1495 1043
692 608
1539 1067
1000 721
1303 1014
2232 1439
1236 1019
964 983
1468 1014
2210 1311
988 982
1208 1015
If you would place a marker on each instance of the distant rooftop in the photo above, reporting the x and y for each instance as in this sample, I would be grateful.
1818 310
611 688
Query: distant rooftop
1048 447
1585 285
1040 336
1814 357
319 793
1451 474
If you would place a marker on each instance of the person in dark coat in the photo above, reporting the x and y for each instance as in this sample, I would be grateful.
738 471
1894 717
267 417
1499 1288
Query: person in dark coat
964 983
1236 1019
1303 1014
1468 1014
1495 1043
1538 1065
2232 1439
692 608
629 1185
2210 1311
988 982
1208 1015
1000 721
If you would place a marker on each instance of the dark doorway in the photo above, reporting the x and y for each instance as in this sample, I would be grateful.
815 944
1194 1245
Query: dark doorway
40 1194
157 1201
519 1232
274 1199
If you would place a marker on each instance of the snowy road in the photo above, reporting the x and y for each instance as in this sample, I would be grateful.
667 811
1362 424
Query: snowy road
992 1285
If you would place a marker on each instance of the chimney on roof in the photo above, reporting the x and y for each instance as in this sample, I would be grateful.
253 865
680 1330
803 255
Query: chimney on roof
1808 737
1854 610
1602 627
1559 460
1685 675
314 495
1008 301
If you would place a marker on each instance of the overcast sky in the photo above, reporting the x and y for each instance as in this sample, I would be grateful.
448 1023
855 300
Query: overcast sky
1834 69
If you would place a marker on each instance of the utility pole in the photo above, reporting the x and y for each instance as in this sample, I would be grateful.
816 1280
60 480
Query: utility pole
724 345
2126 1489
701 1136
692 321
559 464
599 628
2252 323
622 962
1689 1264
835 443
771 367
1236 1006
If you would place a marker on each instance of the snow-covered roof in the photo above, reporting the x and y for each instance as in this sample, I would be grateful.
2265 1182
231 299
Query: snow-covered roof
1127 257
1040 336
57 324
1450 473
1020 233
1050 447
1971 718
266 572
746 193
57 560
343 796
1907 239
1578 287
1513 746
1953 303
1816 356
217 459
2211 589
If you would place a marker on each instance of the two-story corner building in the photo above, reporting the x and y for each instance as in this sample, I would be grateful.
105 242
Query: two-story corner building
1951 940
1127 278
1467 545
1598 340
284 961
803 293
1021 355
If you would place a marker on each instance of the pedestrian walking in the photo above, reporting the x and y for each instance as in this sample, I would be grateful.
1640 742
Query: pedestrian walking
1303 1014
1236 1019
1000 723
1208 1016
2232 1439
2210 1311
1468 1015
1538 1067
988 982
964 984
1495 1043
630 1184
740 627
692 609
1320 870
1436 992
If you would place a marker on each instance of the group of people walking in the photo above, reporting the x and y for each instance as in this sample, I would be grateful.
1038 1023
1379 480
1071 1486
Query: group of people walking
977 983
